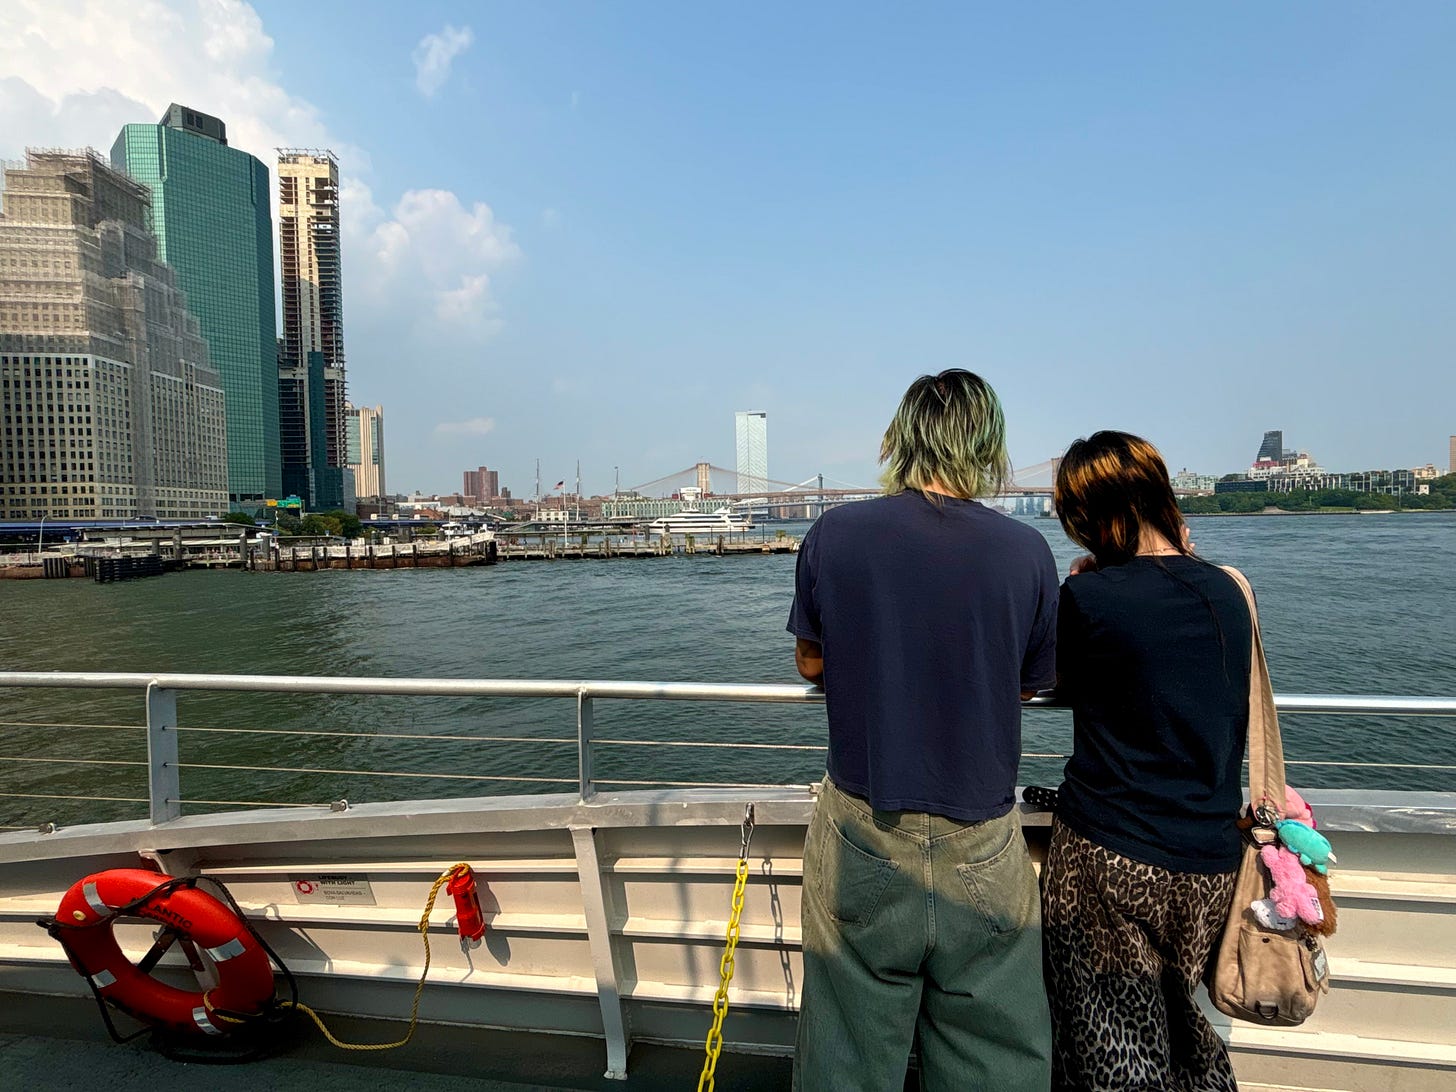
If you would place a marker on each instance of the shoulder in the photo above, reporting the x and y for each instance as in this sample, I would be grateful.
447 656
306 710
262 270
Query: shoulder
1024 535
860 514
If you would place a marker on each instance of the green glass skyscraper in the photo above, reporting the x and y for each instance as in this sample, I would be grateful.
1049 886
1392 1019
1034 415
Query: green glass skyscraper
214 226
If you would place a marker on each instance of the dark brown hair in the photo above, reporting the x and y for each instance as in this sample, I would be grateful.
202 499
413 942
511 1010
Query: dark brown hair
1110 487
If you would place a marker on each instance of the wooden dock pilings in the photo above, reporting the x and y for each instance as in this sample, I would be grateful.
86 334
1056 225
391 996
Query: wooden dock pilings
485 550
552 549
450 554
107 570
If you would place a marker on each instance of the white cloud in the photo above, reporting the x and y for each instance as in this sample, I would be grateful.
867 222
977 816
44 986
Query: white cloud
435 54
77 70
476 426
430 256
419 269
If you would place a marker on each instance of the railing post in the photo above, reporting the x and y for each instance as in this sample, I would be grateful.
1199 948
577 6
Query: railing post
597 904
164 778
584 744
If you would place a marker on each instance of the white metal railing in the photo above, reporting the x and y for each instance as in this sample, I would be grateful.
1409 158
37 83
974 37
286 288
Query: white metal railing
164 790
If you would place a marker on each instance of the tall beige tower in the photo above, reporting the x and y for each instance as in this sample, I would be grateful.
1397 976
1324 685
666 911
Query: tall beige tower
366 450
312 391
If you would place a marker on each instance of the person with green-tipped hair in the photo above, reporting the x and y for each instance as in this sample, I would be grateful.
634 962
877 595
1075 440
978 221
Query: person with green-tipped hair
926 616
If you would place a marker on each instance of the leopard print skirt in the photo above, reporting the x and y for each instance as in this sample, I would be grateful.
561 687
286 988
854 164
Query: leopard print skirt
1126 947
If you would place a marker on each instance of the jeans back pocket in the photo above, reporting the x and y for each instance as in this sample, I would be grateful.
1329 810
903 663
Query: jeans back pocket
850 881
1003 887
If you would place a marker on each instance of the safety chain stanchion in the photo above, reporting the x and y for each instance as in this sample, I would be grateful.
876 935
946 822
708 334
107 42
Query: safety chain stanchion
714 1045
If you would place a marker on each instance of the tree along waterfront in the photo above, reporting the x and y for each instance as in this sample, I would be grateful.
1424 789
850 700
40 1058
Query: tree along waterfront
1441 498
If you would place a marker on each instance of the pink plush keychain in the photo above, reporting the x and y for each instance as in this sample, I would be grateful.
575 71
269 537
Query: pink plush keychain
1293 896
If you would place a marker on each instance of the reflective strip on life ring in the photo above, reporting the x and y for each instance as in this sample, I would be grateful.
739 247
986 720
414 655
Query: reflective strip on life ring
93 899
85 918
199 1017
223 952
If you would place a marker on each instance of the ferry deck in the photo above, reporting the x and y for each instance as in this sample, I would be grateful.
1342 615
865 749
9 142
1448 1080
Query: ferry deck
607 911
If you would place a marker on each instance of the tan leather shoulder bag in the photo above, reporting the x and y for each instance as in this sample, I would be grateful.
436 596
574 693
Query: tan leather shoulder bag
1267 977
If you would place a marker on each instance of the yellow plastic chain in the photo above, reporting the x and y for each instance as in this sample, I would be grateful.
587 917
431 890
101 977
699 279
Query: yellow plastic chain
714 1044
424 928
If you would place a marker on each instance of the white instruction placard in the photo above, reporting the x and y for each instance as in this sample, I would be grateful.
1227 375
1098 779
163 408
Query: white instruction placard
336 888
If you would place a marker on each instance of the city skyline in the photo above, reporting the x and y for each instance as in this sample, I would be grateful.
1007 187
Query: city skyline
568 237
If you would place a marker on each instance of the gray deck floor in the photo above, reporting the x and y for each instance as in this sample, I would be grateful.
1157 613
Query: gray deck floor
48 1042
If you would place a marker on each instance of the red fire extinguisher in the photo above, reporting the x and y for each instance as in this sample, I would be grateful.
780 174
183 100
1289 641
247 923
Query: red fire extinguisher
468 918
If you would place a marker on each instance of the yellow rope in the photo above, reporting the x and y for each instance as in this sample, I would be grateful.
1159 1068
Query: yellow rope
424 927
714 1045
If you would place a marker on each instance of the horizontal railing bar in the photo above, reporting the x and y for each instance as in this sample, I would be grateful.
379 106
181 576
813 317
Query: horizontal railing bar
40 724
700 784
58 796
382 735
339 684
375 773
77 761
1393 705
689 743
1367 765
254 803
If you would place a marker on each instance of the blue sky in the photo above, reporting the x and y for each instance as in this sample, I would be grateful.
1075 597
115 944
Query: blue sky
600 229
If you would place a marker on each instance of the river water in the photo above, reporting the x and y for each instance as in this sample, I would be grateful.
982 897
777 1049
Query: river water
1350 604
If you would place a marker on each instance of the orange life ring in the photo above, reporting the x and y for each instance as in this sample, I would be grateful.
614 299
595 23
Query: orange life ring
84 920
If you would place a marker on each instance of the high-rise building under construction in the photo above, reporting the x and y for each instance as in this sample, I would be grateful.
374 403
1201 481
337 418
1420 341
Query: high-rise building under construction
214 227
109 405
313 426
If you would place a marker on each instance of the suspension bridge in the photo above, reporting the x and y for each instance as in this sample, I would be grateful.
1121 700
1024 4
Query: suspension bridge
1028 492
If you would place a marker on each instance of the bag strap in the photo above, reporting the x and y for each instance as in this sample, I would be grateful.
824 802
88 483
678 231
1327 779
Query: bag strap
1266 747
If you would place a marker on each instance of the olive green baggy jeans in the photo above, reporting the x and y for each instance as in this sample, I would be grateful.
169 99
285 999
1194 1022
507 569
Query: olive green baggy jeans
919 929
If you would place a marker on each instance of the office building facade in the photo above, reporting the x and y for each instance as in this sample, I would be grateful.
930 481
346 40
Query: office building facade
214 227
366 450
1272 449
311 386
109 406
750 431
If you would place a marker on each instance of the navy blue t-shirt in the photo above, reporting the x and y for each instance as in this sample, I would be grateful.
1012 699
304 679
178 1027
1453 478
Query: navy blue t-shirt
933 618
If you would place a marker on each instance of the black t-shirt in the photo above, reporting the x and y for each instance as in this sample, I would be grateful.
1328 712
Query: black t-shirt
1154 657
933 617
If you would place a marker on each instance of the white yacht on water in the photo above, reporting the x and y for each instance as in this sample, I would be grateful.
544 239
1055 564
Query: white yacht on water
692 521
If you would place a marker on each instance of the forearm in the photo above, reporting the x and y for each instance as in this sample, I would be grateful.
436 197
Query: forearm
809 659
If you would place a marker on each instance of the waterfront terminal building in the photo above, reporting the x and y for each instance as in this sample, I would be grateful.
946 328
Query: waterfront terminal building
109 404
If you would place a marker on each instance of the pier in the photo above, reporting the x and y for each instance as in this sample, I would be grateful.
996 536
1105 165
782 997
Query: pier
486 549
551 548
125 560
